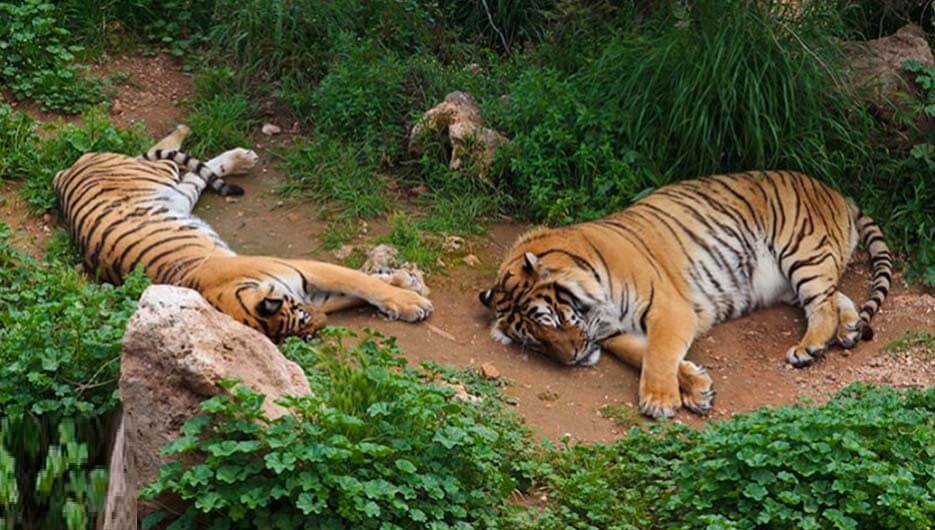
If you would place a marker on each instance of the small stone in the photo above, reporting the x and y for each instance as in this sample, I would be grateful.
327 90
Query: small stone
229 199
116 107
295 128
547 395
47 218
471 260
489 371
269 129
344 251
453 243
440 263
293 217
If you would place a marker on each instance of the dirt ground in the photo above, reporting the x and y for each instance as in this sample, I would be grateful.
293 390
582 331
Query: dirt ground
745 356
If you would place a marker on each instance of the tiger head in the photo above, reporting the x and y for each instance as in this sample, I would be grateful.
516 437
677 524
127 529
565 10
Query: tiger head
269 310
543 308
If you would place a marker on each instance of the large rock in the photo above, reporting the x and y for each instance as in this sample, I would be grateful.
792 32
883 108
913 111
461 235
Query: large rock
175 350
875 66
458 121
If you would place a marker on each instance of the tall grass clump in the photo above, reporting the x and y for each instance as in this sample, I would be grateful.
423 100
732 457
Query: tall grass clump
336 174
295 40
717 87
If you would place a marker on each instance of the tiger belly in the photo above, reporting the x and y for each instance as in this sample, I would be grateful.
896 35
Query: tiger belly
735 283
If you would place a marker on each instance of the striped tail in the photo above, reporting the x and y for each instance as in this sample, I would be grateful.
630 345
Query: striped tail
197 167
871 237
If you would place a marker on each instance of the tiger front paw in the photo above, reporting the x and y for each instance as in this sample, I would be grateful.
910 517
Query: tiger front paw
660 403
404 279
406 305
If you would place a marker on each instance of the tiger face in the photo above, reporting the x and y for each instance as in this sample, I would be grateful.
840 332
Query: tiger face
537 312
275 312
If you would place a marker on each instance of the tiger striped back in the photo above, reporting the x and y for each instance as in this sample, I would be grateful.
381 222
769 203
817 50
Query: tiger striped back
123 212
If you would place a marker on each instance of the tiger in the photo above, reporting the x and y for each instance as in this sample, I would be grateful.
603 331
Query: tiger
125 212
644 282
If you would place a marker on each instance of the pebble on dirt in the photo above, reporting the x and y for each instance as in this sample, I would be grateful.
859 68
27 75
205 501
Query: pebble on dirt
471 260
489 371
269 129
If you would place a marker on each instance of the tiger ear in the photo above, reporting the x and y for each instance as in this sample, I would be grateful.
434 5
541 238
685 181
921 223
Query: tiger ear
531 266
486 297
530 262
269 306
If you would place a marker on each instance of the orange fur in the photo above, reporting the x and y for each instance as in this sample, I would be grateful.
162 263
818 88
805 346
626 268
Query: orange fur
643 283
125 212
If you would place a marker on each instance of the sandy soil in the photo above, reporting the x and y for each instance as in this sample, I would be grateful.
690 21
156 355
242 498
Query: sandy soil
744 356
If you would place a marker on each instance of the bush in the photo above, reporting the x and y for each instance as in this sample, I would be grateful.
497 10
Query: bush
177 26
826 467
860 461
37 60
373 446
714 88
60 340
65 144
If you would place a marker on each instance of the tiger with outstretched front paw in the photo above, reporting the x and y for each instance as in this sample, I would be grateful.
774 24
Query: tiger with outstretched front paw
124 211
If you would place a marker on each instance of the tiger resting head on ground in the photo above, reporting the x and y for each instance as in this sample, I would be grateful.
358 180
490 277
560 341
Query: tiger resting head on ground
125 212
645 282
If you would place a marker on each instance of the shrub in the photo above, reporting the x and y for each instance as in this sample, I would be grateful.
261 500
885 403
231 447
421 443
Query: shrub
714 88
361 99
373 446
60 339
824 467
860 461
66 143
37 60
177 26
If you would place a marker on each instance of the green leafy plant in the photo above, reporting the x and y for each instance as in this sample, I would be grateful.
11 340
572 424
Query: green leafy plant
915 213
60 341
65 143
823 467
373 446
37 61
859 461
